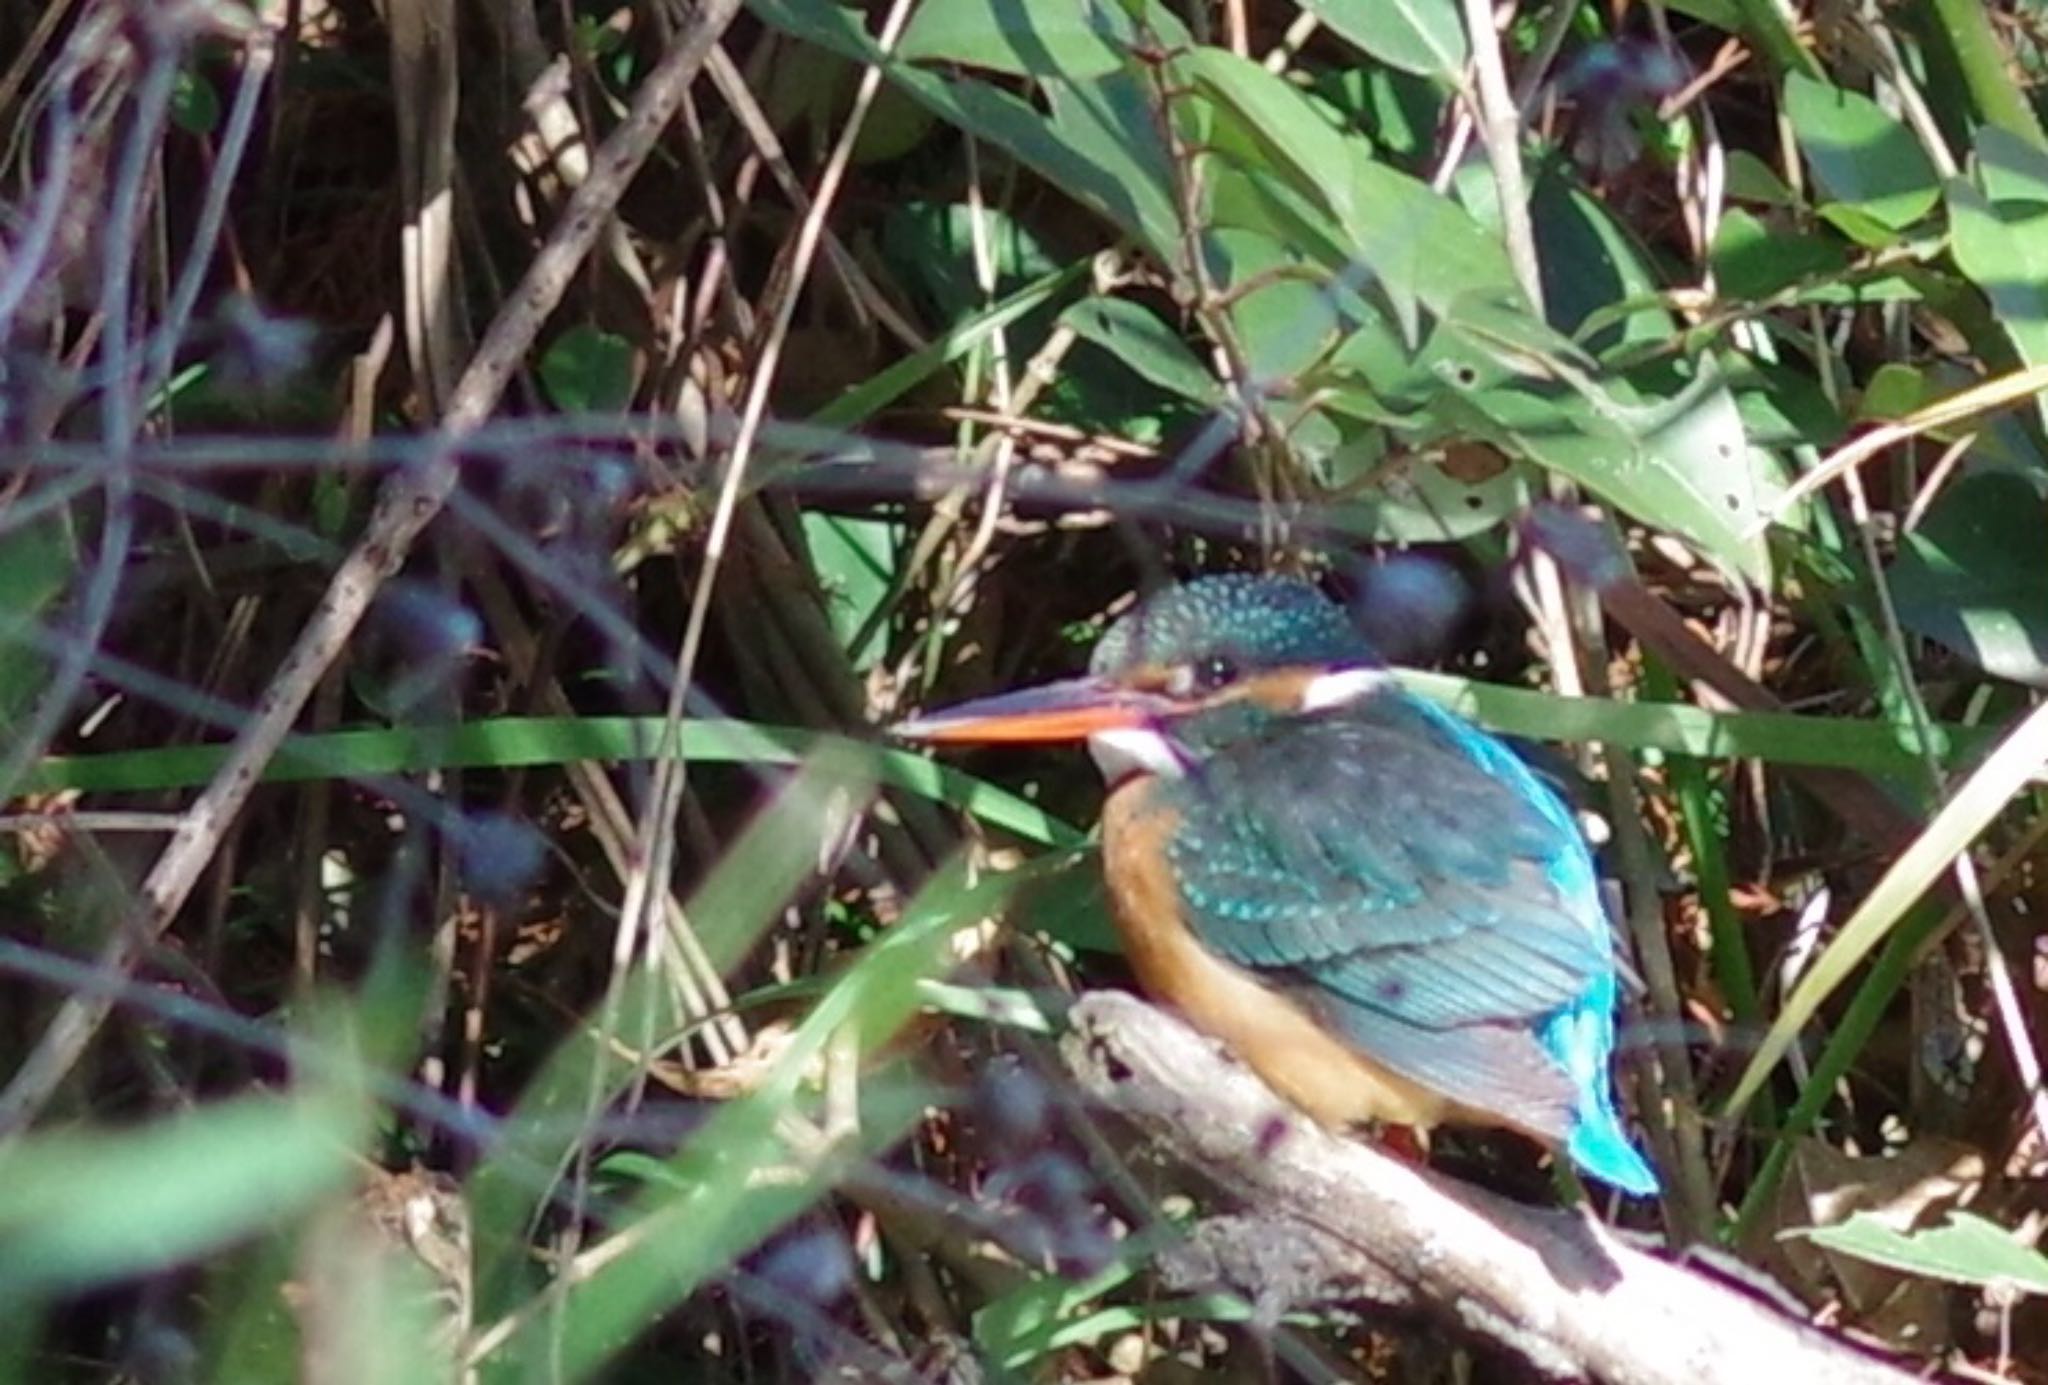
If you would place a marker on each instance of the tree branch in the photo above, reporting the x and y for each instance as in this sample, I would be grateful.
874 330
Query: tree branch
1331 1217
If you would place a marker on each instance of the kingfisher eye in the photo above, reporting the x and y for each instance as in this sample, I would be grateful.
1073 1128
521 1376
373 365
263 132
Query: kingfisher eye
1206 675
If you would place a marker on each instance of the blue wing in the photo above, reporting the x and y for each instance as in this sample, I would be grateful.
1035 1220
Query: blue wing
1408 877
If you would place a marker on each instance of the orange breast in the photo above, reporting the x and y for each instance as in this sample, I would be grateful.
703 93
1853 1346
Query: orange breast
1272 1034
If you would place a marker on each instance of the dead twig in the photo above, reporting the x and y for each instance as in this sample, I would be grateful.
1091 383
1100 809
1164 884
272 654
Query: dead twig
408 503
1554 1287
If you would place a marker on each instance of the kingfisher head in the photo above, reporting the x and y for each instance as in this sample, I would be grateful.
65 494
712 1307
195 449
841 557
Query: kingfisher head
1192 668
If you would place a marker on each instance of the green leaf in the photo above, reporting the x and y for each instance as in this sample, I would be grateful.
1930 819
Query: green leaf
1420 36
1283 128
1752 260
1592 264
2010 168
2003 248
80 1207
1750 179
1420 244
587 371
1682 462
855 560
1894 390
1286 322
1070 41
1137 336
1100 145
36 562
1860 154
195 105
511 742
1970 576
1414 244
1967 1249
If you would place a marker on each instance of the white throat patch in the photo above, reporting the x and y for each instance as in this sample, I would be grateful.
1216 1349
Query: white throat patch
1341 689
1134 750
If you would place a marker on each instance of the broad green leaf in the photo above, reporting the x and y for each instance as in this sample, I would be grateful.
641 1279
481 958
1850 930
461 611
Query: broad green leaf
1398 237
1870 231
1421 244
1752 260
1068 41
1420 36
84 1207
1966 1249
1591 262
1894 391
1285 322
1100 144
2010 168
2003 248
587 370
854 560
1251 197
1148 346
1970 576
1750 179
1861 155
1682 463
1107 128
1289 132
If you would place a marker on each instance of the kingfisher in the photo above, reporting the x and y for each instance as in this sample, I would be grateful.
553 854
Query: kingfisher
1371 902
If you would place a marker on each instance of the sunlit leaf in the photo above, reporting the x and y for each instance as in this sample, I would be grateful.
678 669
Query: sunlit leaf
1966 1249
1861 154
90 1206
1970 576
1419 36
1058 41
1144 342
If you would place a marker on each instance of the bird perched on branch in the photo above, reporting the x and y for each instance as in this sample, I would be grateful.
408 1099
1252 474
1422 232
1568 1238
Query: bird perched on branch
1371 902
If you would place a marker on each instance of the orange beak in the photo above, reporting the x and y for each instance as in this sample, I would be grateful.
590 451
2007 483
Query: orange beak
1071 710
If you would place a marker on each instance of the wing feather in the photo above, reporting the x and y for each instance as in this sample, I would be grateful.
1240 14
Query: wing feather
1369 853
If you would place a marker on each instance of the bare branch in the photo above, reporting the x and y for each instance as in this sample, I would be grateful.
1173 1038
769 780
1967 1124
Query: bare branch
1554 1287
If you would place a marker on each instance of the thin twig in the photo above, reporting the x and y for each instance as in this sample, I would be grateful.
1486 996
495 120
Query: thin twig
408 503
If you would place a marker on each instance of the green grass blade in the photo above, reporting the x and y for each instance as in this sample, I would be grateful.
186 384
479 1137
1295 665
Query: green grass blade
1982 797
522 742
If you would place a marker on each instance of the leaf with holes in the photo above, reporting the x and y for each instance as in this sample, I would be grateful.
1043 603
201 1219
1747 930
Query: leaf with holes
1682 463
